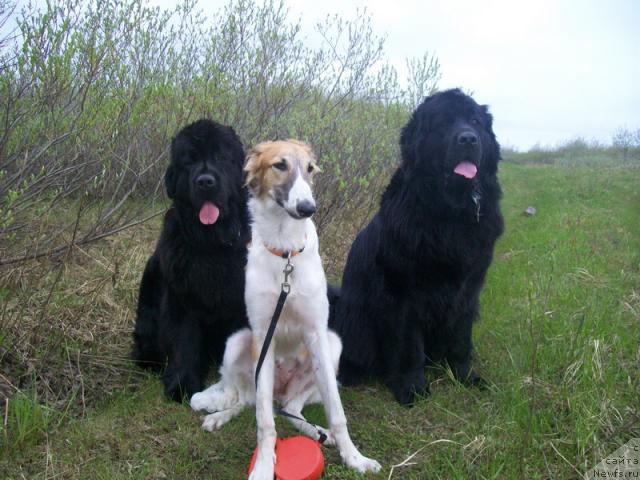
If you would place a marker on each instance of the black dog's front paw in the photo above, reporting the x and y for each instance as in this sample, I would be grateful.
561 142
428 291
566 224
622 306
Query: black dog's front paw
467 376
408 388
146 357
179 386
474 380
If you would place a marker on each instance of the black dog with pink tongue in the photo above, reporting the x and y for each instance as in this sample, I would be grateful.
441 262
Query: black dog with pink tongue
411 285
192 290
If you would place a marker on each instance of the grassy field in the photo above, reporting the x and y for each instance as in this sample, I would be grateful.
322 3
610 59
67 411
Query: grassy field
558 340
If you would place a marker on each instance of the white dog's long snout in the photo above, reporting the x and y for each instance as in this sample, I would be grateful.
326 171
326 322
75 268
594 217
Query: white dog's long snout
300 201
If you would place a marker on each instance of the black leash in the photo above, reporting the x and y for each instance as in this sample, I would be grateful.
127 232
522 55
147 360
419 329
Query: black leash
285 289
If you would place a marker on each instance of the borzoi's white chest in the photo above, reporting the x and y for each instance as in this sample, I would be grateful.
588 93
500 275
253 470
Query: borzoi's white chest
306 306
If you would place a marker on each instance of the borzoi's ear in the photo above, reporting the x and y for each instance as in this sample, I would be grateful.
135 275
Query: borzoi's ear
307 148
254 169
170 181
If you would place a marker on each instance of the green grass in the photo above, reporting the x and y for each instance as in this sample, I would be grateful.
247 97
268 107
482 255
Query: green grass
558 340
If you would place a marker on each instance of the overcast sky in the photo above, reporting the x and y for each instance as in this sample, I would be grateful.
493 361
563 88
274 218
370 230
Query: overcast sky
550 70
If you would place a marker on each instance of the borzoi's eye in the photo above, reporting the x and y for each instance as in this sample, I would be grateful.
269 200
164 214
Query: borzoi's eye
310 168
281 165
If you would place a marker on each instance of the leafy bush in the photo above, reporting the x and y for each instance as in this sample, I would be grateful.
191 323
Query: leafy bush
578 151
91 93
627 142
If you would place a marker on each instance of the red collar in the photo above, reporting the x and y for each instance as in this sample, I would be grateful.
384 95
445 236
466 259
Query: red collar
283 254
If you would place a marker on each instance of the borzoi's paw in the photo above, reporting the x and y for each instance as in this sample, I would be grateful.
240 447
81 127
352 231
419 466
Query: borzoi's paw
201 401
263 470
361 463
214 401
215 421
330 441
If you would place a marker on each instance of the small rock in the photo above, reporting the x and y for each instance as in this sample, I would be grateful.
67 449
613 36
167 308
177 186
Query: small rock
530 211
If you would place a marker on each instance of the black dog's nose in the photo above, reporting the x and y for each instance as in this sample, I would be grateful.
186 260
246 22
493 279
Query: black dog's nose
205 181
305 208
467 139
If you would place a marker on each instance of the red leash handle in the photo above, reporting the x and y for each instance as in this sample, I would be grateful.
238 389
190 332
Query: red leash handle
297 458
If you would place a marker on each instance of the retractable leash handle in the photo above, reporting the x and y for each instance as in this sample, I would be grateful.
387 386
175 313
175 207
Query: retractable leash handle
297 458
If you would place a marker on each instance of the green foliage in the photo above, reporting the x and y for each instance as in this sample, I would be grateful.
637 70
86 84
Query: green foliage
92 92
578 151
627 142
26 421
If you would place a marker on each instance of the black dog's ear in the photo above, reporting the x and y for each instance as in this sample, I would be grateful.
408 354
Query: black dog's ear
488 117
235 144
410 137
170 181
415 131
406 141
493 153
496 156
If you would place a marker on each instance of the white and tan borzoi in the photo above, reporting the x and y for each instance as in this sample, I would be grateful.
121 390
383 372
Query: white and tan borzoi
301 364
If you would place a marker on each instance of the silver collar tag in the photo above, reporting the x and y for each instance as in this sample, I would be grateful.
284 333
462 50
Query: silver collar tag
476 196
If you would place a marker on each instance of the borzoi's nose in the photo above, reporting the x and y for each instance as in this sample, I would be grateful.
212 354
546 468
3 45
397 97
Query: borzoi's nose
467 139
305 208
205 181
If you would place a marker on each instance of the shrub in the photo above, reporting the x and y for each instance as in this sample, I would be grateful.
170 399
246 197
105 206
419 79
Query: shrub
91 93
579 151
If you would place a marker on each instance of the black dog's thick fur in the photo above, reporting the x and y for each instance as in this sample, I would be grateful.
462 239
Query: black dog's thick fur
192 290
413 276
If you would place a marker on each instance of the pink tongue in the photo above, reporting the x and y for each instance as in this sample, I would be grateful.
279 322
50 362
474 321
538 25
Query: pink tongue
209 213
466 169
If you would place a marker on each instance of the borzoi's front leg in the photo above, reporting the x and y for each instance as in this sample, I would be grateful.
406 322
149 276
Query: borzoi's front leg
265 461
318 344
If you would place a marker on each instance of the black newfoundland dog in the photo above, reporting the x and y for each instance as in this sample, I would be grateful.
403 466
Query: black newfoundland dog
413 276
192 291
